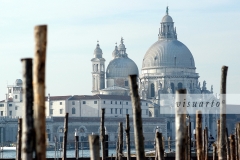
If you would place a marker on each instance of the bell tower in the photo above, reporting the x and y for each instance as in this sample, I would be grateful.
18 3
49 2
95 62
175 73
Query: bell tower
98 70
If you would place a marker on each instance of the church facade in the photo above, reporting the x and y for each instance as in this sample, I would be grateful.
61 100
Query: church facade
167 66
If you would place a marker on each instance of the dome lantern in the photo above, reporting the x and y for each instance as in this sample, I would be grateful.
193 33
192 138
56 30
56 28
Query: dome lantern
115 53
167 30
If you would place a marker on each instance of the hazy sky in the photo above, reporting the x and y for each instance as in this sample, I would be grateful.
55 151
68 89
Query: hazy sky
210 29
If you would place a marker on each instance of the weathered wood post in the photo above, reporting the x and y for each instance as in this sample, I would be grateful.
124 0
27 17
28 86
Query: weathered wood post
203 144
163 143
186 143
222 140
65 137
206 143
117 149
120 137
169 144
159 146
137 118
127 130
106 144
76 145
227 145
236 143
232 147
238 134
27 119
94 147
39 91
199 134
218 134
214 151
180 124
103 135
189 140
19 140
55 147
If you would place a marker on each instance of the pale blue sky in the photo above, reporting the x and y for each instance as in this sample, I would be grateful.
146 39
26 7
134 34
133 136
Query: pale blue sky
211 31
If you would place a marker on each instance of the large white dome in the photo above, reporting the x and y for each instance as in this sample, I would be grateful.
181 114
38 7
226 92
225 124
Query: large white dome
168 53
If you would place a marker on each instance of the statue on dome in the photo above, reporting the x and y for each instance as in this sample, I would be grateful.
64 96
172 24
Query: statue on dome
204 85
167 10
122 40
211 88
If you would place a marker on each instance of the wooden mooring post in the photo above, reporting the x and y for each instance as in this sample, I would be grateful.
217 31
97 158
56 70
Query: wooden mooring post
236 143
39 91
94 147
120 137
137 118
103 135
199 134
159 146
218 134
76 145
28 134
127 130
19 140
169 144
238 135
222 139
232 147
180 124
65 137
189 140
227 145
206 143
214 151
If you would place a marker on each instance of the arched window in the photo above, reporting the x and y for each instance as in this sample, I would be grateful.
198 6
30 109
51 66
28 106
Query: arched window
96 67
73 110
179 85
172 87
152 90
175 61
102 67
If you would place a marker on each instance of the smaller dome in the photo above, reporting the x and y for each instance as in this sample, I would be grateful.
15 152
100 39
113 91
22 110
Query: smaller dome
167 18
18 82
98 52
121 67
121 46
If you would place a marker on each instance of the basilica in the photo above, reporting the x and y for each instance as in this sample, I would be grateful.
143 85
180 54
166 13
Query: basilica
167 66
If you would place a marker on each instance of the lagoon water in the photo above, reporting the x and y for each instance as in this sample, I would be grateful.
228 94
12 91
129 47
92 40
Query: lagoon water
57 154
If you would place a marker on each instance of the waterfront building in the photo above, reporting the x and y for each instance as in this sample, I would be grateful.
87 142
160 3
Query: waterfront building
167 66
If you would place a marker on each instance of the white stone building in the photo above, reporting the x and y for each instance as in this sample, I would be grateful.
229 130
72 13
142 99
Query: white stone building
168 65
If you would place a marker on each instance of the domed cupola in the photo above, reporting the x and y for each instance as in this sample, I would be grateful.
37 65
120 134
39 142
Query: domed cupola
120 67
167 18
98 52
168 51
168 64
